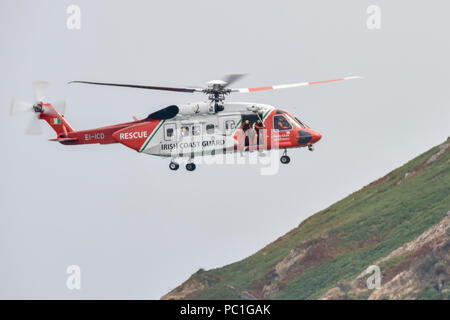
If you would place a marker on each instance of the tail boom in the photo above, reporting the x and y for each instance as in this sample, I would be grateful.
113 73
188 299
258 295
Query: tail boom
103 135
68 136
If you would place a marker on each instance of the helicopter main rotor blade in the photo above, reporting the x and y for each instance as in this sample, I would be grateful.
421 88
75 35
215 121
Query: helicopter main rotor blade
189 90
291 85
232 78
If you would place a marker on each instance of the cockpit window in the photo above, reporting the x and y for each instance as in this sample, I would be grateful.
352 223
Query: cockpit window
297 121
281 123
301 123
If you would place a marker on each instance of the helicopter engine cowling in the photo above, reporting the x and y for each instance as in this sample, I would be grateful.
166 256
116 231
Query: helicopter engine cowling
196 108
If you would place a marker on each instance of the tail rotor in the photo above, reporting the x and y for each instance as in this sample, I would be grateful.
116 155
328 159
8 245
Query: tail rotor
40 89
34 126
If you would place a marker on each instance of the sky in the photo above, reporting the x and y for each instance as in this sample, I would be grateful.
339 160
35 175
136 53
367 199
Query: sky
137 229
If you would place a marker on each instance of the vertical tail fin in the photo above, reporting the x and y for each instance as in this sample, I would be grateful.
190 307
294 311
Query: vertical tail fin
56 120
50 112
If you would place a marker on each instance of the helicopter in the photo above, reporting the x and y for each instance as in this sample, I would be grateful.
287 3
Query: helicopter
186 131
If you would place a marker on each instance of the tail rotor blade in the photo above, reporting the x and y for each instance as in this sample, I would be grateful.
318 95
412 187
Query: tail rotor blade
40 90
34 126
60 106
18 106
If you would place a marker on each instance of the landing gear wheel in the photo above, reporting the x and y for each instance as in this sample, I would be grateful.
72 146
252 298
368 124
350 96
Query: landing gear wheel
190 166
285 159
173 166
311 147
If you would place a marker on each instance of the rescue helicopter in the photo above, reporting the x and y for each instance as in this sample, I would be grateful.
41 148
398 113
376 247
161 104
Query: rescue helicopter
190 130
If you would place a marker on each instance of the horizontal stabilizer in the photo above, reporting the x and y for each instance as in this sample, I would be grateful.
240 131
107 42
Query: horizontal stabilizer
64 139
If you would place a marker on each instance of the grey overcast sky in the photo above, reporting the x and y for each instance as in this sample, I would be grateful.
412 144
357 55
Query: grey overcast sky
137 229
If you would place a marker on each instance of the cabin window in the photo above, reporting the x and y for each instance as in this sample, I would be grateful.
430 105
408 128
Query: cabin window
185 131
196 130
169 131
281 123
210 128
230 125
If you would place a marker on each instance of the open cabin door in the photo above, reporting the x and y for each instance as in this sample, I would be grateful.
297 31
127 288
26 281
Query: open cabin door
253 131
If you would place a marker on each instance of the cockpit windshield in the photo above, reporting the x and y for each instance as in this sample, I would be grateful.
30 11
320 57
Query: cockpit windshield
292 119
297 121
300 123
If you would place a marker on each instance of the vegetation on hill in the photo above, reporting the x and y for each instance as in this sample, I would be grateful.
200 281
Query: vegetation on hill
327 253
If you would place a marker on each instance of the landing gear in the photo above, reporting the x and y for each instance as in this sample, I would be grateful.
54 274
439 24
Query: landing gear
173 166
190 166
310 147
285 158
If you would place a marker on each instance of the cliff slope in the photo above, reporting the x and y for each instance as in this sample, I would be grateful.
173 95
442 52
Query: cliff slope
399 222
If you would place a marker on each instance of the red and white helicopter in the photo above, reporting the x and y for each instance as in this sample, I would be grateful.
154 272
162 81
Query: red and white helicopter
187 131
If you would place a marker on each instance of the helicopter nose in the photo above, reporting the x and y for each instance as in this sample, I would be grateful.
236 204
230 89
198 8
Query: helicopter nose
304 137
316 136
308 136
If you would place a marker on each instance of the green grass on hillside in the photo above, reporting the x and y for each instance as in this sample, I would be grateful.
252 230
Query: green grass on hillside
366 226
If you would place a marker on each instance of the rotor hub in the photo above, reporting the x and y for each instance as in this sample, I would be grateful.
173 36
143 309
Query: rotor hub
37 107
216 92
216 83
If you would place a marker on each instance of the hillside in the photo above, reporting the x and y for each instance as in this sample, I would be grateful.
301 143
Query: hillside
399 222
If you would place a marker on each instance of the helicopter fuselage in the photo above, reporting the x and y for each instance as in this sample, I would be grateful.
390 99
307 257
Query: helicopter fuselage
190 130
203 133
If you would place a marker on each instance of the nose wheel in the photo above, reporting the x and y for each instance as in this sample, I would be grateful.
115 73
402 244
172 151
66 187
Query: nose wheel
310 147
285 158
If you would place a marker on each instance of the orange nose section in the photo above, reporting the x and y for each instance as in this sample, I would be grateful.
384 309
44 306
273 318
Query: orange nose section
316 136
